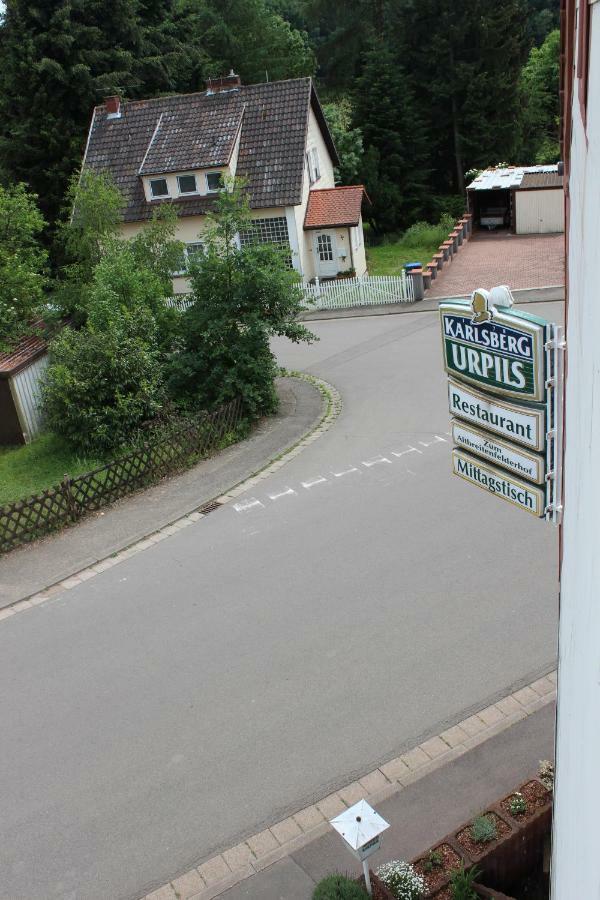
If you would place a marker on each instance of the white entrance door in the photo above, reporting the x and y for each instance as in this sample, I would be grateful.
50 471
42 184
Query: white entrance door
326 262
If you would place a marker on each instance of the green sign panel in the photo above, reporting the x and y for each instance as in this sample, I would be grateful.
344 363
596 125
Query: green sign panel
498 350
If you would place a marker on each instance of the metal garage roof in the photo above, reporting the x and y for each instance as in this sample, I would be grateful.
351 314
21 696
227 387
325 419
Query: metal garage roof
511 177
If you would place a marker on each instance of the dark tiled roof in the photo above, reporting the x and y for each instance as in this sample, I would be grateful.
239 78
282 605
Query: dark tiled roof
25 352
541 180
195 132
334 207
274 119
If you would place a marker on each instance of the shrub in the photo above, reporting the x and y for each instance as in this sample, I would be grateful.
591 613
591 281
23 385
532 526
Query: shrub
434 860
422 234
483 830
461 883
339 887
402 880
517 804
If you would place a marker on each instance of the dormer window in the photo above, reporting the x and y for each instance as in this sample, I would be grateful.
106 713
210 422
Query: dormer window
187 184
159 187
214 182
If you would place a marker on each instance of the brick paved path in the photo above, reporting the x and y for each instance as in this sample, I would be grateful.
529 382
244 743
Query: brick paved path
519 260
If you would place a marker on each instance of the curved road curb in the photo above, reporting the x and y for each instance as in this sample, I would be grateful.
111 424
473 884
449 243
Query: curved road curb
332 403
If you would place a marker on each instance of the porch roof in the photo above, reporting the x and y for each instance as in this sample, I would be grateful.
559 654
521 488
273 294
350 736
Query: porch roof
334 207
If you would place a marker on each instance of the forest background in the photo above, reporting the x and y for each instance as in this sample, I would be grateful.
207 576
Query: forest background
417 92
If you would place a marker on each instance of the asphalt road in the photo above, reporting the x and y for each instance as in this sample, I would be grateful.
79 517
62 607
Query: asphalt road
260 658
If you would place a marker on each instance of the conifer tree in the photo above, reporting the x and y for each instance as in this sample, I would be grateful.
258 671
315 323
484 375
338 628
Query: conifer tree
395 167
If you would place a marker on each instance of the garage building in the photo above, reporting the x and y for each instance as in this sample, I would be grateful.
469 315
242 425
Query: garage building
522 199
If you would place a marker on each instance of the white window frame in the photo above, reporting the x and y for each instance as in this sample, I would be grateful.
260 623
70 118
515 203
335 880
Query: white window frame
356 237
159 196
187 193
313 163
210 190
183 272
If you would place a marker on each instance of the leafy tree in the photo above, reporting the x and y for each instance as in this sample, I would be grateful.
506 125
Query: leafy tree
543 16
348 140
22 263
395 166
241 295
105 379
540 102
90 232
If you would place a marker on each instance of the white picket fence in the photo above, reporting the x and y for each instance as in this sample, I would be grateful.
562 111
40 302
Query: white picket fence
370 290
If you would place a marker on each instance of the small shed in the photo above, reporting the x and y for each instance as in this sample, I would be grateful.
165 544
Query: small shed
21 370
522 199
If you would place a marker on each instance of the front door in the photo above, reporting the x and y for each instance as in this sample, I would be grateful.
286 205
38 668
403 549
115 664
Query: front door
325 255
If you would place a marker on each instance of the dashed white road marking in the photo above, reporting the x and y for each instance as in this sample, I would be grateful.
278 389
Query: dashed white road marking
436 440
253 502
245 505
376 459
310 484
410 450
285 493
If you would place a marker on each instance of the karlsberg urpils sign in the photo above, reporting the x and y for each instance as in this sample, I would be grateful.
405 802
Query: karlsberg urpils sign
498 394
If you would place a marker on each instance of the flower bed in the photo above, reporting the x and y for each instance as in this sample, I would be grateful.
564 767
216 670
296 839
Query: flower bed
437 875
535 797
477 849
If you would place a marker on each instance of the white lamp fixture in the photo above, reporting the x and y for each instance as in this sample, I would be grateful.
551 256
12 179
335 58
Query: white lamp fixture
361 828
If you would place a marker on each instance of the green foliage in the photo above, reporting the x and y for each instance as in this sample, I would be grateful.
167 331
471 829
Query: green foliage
483 830
461 883
240 297
395 165
347 140
434 860
104 380
33 467
417 244
338 887
517 804
540 102
22 263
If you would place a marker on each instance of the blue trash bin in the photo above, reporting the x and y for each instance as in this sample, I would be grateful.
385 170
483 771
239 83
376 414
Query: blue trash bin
408 267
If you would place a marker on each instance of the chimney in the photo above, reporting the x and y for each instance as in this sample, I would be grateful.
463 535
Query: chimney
113 107
231 82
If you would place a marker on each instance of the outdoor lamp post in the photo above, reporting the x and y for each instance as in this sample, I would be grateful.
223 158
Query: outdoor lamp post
361 828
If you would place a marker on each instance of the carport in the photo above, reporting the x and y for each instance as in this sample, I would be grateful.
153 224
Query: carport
522 199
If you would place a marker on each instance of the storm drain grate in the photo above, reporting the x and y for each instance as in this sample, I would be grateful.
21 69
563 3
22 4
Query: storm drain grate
209 507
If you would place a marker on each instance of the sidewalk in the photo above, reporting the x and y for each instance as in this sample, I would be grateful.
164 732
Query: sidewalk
430 304
420 814
32 568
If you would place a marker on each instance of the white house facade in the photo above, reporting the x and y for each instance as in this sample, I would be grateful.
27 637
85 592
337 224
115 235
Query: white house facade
178 150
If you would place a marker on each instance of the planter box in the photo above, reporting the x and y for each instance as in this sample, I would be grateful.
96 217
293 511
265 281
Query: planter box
496 857
439 878
482 891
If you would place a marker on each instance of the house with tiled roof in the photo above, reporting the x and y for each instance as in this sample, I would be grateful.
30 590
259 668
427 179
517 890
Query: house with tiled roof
178 150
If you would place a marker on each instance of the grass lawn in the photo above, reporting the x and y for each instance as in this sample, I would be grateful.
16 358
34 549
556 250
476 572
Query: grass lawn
388 259
31 468
417 244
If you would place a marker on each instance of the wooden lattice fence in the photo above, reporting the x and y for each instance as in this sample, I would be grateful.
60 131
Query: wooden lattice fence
26 520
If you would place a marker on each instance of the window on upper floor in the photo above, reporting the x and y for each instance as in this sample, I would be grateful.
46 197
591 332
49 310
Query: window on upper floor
214 182
312 162
159 187
187 184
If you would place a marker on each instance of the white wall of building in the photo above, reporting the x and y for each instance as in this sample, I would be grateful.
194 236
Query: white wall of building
540 211
576 839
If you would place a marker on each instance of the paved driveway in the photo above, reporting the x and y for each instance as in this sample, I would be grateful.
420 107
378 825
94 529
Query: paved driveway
356 601
519 260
